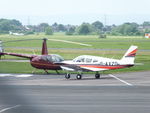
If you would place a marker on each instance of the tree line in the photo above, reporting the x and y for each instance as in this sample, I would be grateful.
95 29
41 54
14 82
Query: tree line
95 28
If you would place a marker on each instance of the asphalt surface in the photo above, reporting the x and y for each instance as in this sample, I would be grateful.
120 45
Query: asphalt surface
113 93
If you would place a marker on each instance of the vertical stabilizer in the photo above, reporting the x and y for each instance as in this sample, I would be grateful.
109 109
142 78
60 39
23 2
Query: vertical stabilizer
129 56
44 47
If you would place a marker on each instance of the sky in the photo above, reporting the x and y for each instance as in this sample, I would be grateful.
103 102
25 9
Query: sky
75 12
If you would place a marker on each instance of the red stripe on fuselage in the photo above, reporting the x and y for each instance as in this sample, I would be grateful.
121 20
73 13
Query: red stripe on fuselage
106 67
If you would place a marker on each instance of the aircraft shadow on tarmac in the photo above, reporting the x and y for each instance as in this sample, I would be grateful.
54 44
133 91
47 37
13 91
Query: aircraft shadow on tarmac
102 78
86 77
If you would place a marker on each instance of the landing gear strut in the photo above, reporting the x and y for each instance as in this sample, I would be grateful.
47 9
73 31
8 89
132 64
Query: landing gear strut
57 72
46 71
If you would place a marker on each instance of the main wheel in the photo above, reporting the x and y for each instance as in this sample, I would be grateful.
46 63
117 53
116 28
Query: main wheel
97 75
79 76
67 76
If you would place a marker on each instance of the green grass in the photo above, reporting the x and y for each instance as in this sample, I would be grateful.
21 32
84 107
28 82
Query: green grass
112 42
17 67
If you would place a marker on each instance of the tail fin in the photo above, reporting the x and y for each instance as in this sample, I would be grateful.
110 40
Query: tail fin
44 47
129 56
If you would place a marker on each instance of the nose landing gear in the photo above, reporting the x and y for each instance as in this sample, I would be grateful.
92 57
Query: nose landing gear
67 76
97 75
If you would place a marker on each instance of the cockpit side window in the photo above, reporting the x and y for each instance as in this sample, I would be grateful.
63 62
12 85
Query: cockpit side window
95 60
88 60
46 58
80 59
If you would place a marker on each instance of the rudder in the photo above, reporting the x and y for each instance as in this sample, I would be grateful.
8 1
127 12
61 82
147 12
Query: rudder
129 56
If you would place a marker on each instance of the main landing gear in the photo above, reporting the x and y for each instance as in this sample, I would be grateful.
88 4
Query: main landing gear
79 76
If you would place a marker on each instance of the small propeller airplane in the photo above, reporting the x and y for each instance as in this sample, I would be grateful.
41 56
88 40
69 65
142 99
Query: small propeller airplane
86 63
43 61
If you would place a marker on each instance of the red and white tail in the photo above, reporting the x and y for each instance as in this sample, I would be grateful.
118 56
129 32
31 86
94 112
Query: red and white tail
129 56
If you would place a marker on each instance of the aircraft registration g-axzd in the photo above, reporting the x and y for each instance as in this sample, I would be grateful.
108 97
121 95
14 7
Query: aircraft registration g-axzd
87 63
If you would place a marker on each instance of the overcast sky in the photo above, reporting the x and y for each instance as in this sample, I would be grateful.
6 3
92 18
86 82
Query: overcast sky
76 11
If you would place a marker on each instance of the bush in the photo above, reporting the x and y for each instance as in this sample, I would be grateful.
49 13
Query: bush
29 33
85 29
102 36
70 31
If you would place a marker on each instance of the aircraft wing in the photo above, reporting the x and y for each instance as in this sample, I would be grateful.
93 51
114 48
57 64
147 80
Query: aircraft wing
93 69
81 68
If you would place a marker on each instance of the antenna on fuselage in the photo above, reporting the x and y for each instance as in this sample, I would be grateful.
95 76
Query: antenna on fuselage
44 47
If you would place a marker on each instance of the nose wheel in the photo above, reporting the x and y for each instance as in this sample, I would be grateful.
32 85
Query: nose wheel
97 75
67 76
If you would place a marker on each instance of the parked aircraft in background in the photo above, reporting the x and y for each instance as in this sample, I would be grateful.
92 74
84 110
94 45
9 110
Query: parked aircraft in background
16 34
87 63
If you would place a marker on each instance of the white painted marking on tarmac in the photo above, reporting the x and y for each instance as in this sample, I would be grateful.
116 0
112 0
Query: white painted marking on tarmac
129 84
6 109
24 75
16 75
66 41
4 75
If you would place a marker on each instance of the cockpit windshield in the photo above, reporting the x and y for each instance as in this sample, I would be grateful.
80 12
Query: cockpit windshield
56 58
85 59
52 58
